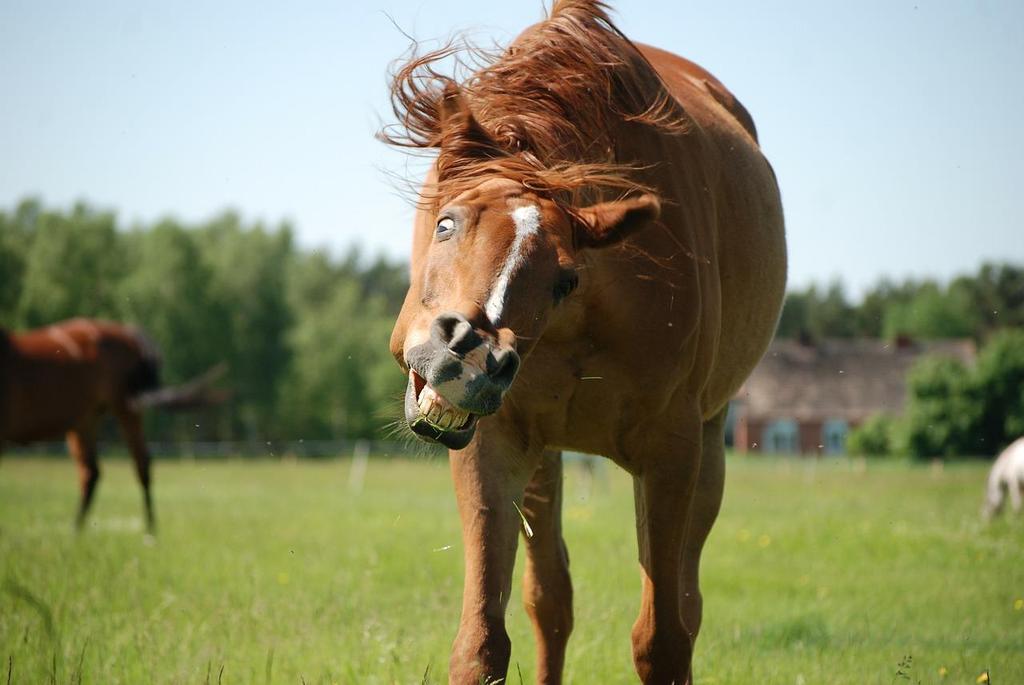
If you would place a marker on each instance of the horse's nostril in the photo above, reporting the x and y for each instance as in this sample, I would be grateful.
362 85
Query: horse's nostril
443 328
464 339
454 331
504 367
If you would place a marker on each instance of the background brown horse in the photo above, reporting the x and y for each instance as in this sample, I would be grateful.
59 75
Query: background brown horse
62 379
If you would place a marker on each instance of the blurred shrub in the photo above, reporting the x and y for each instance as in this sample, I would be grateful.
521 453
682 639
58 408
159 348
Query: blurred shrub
954 411
999 379
942 413
873 438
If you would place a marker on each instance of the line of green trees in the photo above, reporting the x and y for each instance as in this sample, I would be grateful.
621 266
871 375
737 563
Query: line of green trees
970 306
304 334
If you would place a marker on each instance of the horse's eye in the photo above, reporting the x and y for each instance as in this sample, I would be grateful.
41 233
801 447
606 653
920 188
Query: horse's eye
445 228
565 285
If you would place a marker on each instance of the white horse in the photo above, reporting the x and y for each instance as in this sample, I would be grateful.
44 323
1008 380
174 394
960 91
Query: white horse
1006 476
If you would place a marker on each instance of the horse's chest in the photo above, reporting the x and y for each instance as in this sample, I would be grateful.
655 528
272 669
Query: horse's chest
581 397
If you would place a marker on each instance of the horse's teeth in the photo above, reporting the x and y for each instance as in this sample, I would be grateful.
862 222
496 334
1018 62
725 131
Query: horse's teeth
439 411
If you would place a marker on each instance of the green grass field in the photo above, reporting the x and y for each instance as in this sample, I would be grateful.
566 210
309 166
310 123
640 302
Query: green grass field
817 572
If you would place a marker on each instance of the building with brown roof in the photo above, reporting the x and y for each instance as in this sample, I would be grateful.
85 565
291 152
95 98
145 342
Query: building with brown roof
804 397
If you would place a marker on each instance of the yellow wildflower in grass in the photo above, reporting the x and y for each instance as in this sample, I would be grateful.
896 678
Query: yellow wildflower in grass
764 541
983 678
282 578
1018 605
943 671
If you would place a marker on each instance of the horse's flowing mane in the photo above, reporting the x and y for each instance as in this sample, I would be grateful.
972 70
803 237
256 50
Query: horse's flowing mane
543 112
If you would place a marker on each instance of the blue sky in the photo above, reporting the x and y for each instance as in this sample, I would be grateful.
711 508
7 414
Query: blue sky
895 127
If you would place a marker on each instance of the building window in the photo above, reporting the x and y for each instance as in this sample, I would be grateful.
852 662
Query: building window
782 437
833 436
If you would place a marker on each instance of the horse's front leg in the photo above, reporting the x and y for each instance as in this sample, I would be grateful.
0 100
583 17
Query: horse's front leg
547 587
490 476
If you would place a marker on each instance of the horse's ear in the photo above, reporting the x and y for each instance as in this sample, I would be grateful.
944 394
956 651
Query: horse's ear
452 108
462 136
607 223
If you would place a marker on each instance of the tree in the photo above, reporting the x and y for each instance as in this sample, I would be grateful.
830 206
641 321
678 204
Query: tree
819 315
73 267
996 297
342 378
999 380
931 313
943 411
248 268
794 322
831 315
953 411
14 244
170 295
872 311
874 437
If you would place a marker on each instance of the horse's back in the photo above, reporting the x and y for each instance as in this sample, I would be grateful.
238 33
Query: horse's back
1009 465
693 85
82 340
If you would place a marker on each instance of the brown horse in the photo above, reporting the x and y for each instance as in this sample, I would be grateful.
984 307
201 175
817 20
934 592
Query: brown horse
598 263
62 379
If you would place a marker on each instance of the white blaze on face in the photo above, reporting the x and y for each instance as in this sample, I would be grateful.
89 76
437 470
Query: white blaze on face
527 221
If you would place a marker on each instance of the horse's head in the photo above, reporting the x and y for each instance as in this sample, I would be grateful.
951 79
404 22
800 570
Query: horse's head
491 267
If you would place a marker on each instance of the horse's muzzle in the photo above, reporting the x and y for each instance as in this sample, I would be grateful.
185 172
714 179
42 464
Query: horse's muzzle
455 377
